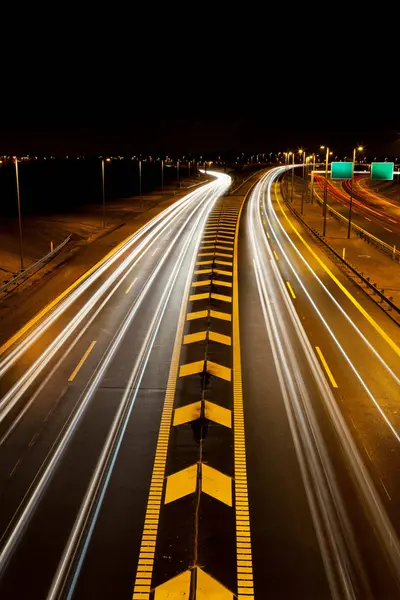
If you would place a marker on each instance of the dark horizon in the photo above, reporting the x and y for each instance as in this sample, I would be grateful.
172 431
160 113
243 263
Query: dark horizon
158 113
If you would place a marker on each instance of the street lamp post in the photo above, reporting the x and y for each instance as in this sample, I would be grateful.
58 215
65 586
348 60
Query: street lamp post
287 155
285 172
19 215
104 193
291 191
308 163
177 170
104 189
302 153
360 148
162 174
325 189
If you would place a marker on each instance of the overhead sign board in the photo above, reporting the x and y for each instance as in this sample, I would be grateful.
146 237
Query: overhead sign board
341 170
382 170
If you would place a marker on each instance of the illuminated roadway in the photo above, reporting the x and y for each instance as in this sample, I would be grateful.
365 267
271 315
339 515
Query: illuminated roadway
211 412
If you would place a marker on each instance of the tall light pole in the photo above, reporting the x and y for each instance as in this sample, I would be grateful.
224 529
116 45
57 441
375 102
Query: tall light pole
177 170
104 190
359 148
325 189
303 154
162 174
308 159
104 193
286 174
19 215
140 181
312 179
291 191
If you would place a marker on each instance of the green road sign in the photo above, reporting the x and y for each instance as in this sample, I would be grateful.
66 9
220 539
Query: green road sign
341 170
382 170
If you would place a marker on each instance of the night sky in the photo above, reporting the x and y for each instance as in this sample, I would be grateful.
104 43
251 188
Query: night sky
183 98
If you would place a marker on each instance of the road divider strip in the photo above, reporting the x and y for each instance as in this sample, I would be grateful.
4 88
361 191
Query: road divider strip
200 478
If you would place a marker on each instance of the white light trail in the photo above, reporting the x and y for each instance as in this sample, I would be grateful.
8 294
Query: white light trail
148 231
333 299
34 494
331 521
12 397
117 429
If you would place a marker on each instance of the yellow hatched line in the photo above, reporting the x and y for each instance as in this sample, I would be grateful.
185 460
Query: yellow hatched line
243 536
222 283
203 271
144 573
223 239
227 263
226 248
223 236
221 297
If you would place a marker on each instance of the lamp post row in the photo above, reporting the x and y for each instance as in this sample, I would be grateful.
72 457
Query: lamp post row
287 162
325 198
103 161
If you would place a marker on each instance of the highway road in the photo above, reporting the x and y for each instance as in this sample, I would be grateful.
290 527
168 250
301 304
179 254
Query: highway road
210 412
320 362
68 388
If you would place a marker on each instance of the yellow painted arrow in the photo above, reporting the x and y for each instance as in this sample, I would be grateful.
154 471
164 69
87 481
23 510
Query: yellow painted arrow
178 588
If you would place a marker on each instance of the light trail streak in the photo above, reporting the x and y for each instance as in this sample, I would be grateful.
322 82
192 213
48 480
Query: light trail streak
11 398
326 508
156 225
299 407
318 312
41 480
87 515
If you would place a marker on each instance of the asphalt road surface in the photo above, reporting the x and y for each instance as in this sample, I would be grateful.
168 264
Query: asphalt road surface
210 412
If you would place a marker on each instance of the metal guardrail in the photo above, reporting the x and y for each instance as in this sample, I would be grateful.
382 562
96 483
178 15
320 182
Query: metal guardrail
21 276
365 280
